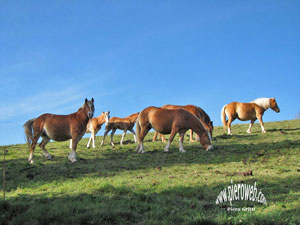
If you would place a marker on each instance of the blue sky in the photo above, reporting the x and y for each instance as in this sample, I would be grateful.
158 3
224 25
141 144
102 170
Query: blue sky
132 54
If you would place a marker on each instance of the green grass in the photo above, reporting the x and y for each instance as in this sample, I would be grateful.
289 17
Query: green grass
118 186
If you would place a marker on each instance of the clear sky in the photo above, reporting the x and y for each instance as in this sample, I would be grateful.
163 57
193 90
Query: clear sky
132 54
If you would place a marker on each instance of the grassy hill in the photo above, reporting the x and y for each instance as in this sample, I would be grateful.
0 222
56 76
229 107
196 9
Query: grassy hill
118 186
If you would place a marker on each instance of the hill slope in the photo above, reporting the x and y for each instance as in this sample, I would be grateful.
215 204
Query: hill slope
118 186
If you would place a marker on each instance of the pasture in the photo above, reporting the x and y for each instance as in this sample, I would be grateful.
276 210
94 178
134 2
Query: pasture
118 186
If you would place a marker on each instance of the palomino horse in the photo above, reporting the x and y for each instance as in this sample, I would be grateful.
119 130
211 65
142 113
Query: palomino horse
58 128
93 126
247 111
166 121
197 111
120 123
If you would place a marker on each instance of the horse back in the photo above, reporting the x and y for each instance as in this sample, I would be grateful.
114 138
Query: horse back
244 111
56 127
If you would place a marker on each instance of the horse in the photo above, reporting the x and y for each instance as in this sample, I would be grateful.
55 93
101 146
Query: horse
166 121
124 124
197 111
247 111
58 128
93 126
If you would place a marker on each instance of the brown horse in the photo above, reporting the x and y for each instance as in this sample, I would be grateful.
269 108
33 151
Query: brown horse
247 111
166 121
94 125
197 111
120 123
58 128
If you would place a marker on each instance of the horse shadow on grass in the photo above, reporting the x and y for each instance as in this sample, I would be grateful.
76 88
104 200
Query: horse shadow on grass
110 162
122 204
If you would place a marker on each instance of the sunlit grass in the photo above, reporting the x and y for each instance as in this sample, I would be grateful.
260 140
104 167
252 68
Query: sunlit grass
118 186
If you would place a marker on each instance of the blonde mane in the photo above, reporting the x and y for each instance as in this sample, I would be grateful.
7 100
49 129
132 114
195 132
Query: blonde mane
262 102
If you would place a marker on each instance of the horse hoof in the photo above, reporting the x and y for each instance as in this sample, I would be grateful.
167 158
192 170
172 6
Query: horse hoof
49 157
31 161
73 160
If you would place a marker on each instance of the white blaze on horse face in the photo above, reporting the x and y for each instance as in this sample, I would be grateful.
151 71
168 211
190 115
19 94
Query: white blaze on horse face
90 112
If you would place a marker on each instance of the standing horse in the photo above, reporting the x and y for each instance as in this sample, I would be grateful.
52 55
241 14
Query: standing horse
166 121
247 111
197 111
58 128
93 126
120 123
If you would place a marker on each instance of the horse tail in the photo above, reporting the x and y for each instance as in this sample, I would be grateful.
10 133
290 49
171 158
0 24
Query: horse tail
28 131
223 117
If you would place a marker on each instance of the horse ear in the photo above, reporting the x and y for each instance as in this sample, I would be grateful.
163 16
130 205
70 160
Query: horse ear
92 100
86 100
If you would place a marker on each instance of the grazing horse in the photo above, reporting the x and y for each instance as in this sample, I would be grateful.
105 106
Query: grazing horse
58 128
247 111
120 123
166 121
197 111
93 126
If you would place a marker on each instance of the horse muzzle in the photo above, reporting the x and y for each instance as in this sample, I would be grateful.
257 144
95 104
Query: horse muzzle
209 147
90 115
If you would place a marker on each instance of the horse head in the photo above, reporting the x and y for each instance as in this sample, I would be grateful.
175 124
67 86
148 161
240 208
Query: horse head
273 105
106 117
206 140
89 107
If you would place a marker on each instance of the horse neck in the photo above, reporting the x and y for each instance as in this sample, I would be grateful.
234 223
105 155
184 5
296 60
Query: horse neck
132 118
82 115
263 103
197 125
101 119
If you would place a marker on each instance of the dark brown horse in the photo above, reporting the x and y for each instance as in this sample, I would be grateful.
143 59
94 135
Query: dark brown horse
58 128
195 110
247 111
124 124
166 121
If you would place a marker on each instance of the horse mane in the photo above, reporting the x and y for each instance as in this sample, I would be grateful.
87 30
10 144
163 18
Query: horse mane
262 102
133 114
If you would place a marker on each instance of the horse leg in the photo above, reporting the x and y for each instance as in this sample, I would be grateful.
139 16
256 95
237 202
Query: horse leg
163 139
143 132
106 132
36 136
155 136
259 117
181 138
250 126
72 155
134 135
93 138
230 120
88 144
42 145
123 135
191 136
172 135
70 144
32 147
112 137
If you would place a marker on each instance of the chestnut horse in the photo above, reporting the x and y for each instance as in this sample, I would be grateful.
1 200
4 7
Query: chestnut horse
93 126
120 123
197 111
58 128
166 121
247 111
